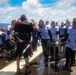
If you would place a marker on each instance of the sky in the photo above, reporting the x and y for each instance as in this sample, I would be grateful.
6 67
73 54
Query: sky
51 10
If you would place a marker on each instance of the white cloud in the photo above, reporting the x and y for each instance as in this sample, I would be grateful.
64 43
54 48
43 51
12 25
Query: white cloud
31 6
60 11
65 3
3 1
9 13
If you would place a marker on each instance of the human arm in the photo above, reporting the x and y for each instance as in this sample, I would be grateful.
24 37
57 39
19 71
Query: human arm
35 27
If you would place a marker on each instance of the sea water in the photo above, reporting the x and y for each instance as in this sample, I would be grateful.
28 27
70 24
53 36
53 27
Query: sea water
4 25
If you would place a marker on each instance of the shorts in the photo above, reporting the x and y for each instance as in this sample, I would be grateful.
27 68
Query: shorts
20 49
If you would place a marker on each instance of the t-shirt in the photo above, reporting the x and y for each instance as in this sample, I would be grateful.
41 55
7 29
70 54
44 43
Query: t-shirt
54 33
71 42
24 31
62 30
44 33
0 38
8 27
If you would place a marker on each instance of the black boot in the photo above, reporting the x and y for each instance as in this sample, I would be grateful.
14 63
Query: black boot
27 70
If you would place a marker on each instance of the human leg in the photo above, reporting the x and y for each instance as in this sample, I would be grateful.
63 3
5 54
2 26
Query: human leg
72 57
18 63
67 57
18 56
26 54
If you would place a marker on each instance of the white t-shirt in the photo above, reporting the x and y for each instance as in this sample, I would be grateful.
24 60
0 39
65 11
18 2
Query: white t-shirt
8 27
71 42
47 26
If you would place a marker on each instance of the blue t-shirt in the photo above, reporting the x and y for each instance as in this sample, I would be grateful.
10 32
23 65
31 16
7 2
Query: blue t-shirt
54 33
62 30
71 42
44 33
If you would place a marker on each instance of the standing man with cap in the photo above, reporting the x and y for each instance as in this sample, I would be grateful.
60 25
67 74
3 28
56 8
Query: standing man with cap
23 30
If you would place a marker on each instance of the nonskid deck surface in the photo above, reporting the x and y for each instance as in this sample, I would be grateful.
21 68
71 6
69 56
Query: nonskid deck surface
36 66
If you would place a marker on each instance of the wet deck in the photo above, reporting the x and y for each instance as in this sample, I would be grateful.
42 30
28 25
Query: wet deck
9 67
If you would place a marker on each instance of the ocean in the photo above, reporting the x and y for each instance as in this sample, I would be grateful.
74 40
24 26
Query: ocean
2 25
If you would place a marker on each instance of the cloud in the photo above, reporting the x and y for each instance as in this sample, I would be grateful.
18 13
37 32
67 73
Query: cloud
60 11
31 5
64 3
4 2
10 13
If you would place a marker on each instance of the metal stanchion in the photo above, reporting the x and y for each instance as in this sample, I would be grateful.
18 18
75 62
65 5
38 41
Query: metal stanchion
58 59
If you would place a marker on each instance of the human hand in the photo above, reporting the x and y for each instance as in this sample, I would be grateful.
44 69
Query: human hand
32 20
